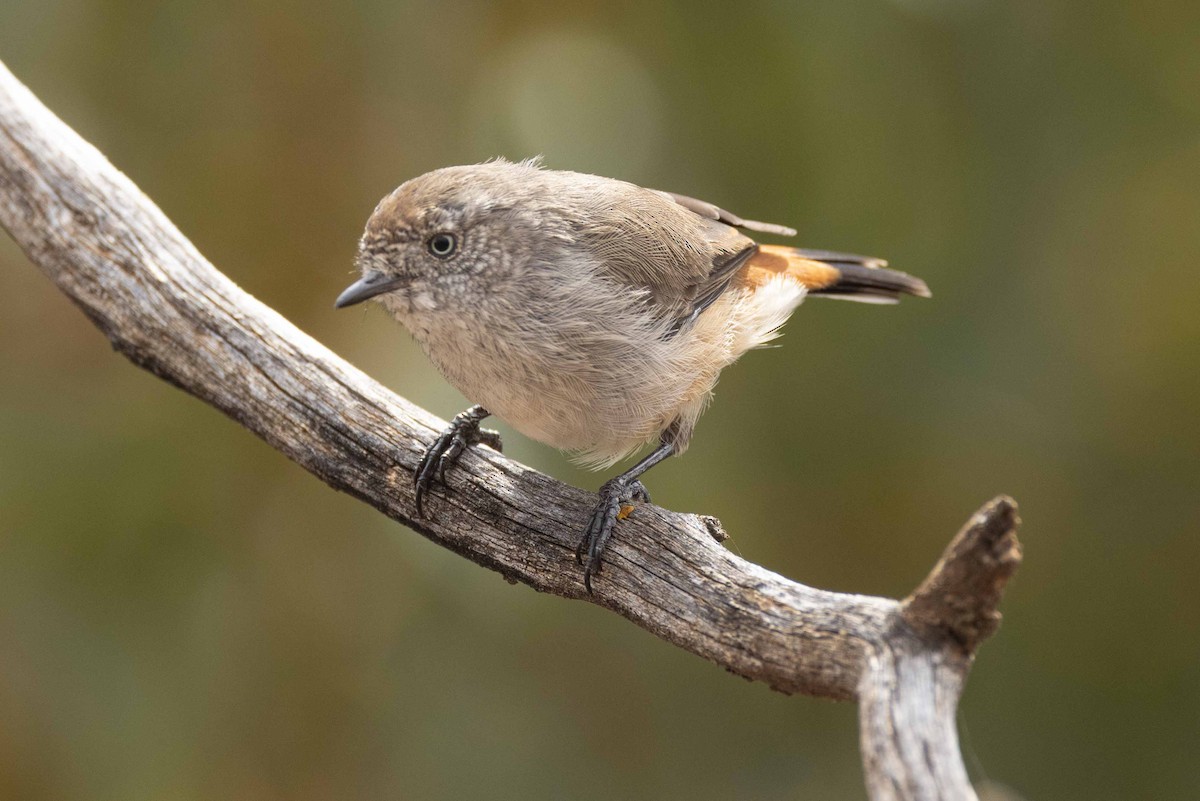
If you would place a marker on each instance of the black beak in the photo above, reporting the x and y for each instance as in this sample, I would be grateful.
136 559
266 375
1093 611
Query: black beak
368 286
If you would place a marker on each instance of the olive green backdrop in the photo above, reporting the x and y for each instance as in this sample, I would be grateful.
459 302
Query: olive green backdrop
186 615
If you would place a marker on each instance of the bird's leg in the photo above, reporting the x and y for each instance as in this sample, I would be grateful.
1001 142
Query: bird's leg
463 430
614 494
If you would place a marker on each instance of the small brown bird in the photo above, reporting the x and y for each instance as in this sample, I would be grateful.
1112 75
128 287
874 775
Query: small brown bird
588 313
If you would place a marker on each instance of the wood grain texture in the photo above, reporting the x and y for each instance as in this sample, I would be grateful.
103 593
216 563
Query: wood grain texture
161 304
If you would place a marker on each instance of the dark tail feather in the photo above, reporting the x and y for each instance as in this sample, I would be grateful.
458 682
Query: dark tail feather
834 275
869 284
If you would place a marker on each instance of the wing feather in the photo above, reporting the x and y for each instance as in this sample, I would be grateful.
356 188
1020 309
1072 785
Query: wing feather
713 212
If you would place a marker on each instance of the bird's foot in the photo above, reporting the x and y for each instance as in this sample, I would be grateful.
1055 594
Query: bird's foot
616 498
463 430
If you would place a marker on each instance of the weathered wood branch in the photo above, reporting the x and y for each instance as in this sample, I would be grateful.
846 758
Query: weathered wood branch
111 250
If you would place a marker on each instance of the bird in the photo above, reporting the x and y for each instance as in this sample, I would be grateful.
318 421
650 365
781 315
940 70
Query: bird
589 313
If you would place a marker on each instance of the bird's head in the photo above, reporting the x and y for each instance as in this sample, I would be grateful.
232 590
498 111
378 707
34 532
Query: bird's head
440 241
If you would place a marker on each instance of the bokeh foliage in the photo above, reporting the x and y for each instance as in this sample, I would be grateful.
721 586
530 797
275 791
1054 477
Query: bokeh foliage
184 614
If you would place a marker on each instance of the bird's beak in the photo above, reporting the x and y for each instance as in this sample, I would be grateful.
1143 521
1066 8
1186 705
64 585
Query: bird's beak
370 285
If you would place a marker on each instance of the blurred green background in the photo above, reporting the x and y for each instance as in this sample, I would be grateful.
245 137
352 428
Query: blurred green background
184 614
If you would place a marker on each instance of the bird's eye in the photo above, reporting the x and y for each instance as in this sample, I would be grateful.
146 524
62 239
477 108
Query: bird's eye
442 245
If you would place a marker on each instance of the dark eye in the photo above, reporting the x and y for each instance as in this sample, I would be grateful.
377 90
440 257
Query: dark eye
442 245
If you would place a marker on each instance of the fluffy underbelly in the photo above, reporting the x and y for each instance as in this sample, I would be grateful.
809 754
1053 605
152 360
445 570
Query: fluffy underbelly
566 411
599 414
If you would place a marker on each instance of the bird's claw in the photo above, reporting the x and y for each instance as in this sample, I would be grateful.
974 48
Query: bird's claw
463 431
614 495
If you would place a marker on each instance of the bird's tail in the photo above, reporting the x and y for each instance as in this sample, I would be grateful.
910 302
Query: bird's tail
834 275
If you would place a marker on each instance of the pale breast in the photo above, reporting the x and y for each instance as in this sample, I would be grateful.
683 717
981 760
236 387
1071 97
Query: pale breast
599 386
581 396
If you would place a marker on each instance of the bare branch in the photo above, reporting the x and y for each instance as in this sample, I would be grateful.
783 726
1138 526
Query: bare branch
109 249
913 678
962 592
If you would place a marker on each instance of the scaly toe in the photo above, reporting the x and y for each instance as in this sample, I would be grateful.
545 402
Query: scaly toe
462 432
614 497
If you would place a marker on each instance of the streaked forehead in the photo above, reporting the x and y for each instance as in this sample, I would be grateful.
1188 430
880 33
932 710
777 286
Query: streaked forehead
435 199
396 218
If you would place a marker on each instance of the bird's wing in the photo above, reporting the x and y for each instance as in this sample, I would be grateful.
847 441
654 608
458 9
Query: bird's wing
826 272
676 259
712 212
683 254
718 281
